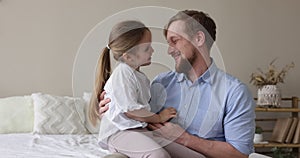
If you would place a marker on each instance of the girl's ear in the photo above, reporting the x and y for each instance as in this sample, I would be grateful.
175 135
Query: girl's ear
125 56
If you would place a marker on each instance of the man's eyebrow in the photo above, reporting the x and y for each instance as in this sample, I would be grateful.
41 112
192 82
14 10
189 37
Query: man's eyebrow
170 39
174 37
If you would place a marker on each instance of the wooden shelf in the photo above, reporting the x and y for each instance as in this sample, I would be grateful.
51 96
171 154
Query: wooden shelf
259 109
277 145
292 108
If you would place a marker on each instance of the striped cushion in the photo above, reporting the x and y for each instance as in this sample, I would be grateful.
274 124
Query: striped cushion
58 115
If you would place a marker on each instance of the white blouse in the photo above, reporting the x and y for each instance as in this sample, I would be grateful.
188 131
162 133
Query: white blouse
128 90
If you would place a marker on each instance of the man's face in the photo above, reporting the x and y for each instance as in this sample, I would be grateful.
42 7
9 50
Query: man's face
180 47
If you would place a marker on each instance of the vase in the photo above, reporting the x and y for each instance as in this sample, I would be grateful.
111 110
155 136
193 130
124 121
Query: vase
258 138
269 95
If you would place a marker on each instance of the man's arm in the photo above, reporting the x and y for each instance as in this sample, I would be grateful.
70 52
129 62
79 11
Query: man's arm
103 107
212 149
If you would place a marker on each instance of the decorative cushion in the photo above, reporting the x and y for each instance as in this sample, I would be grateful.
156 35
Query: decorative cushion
88 124
16 114
58 115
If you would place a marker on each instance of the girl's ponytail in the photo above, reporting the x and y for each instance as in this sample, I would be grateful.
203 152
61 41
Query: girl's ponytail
102 74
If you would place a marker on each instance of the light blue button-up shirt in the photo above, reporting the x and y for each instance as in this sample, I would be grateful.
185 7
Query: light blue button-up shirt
215 107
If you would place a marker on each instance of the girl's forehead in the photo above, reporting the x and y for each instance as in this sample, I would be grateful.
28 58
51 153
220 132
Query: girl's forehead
147 37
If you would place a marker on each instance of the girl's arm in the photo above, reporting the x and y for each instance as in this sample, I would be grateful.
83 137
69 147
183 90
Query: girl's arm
144 115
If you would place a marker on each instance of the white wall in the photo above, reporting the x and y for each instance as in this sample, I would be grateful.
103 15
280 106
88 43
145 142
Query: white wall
39 39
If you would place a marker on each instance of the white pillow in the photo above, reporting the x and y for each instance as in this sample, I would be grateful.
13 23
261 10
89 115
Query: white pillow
91 128
16 114
58 115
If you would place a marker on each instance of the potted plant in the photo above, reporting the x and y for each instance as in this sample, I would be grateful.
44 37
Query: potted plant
283 153
266 82
258 137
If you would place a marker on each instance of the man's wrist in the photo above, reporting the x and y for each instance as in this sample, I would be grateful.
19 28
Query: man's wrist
186 138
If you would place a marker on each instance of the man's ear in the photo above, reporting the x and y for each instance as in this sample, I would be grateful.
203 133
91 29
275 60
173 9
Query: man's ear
200 38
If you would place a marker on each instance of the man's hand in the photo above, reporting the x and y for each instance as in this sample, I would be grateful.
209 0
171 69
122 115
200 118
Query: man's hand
103 107
213 149
171 131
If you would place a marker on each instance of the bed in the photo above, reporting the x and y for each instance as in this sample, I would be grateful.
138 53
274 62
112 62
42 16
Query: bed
50 126
45 125
49 146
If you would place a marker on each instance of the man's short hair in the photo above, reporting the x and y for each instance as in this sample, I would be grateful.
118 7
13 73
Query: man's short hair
196 21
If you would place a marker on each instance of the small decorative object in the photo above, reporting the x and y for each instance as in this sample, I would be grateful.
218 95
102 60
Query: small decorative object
269 95
258 137
268 92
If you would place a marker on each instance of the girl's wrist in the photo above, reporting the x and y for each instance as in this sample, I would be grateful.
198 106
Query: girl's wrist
159 118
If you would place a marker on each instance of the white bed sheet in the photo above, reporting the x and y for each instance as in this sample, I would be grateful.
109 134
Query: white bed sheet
49 146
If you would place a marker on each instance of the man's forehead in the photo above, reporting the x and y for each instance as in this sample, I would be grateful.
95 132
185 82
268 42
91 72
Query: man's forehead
176 28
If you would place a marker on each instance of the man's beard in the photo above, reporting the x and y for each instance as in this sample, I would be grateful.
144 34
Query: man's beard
185 64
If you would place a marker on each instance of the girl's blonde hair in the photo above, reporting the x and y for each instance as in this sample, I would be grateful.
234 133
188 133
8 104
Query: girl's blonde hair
123 37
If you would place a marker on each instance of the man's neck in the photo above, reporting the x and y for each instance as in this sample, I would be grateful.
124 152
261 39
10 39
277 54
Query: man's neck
198 68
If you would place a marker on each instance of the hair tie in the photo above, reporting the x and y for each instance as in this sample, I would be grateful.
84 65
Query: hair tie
107 47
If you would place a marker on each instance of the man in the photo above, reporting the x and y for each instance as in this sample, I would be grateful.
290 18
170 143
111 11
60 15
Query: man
215 110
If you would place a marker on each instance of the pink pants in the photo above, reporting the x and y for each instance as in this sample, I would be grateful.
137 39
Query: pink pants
141 143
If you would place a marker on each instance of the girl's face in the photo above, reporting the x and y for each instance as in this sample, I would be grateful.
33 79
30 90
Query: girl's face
142 56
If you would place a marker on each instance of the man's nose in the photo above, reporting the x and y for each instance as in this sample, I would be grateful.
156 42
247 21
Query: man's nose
171 50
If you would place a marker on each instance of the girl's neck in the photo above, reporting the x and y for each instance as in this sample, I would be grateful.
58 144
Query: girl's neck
133 66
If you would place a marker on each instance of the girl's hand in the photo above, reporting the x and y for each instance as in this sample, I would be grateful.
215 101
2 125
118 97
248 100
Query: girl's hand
167 114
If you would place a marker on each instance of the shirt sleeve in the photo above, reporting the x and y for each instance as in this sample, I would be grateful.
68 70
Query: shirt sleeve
125 89
239 121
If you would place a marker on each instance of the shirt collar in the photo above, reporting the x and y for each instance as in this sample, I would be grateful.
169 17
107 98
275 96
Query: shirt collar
205 77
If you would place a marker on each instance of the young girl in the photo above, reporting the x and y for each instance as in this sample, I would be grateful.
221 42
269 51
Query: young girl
129 91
